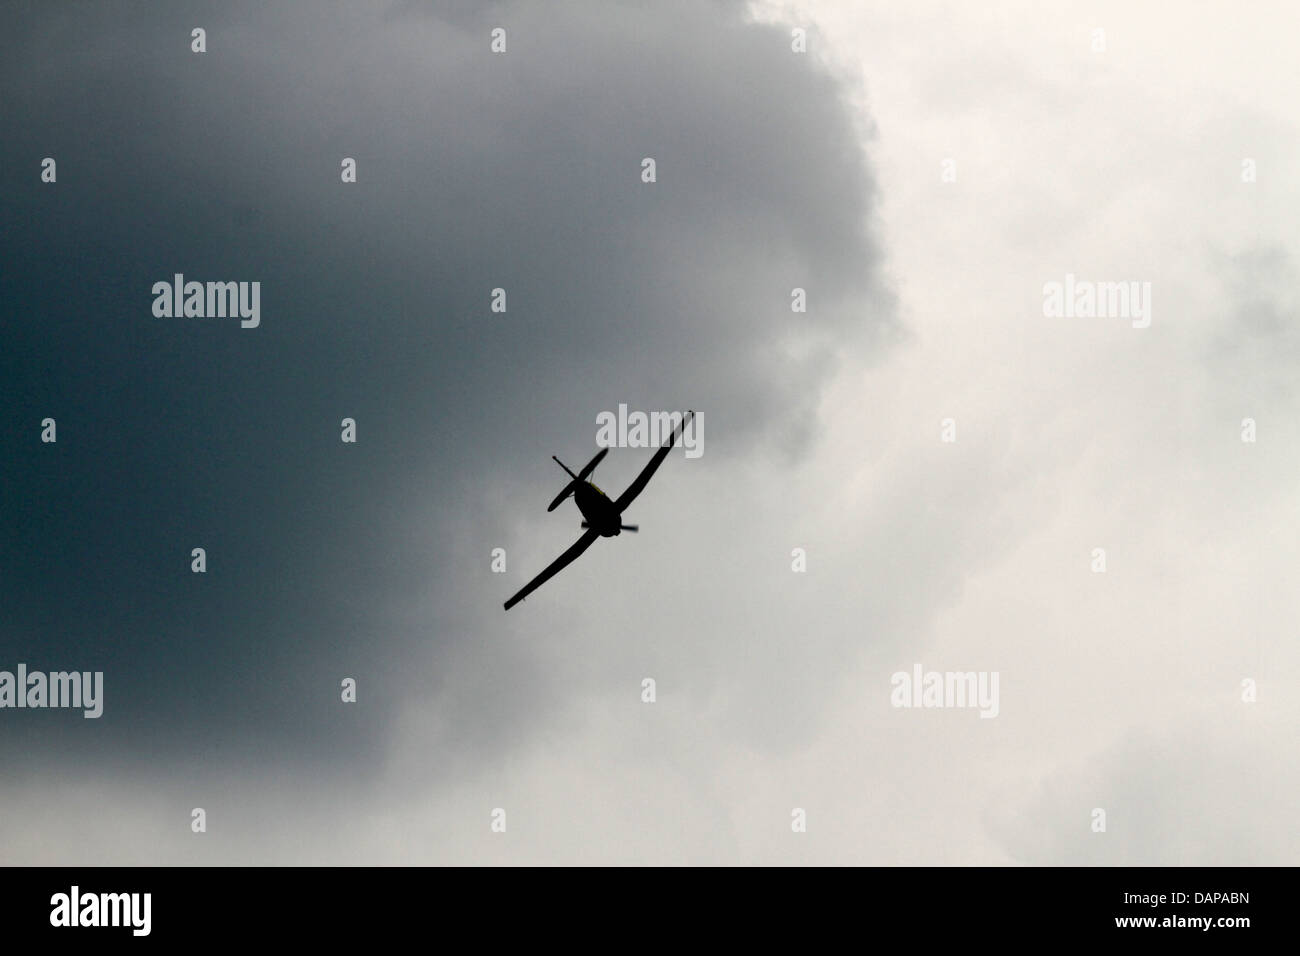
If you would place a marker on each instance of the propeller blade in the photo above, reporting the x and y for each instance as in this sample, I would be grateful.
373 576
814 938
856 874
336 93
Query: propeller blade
591 465
628 527
568 490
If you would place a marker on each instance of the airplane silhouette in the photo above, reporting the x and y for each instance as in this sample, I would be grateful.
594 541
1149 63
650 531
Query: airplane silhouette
601 517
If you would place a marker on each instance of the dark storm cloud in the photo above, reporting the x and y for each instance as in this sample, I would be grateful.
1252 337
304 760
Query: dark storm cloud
475 171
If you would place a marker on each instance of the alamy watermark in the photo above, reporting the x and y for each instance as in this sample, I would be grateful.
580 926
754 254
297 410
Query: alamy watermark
208 300
626 429
922 688
36 689
75 908
1085 299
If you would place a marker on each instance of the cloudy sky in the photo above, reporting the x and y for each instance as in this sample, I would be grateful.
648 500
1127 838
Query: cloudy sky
921 171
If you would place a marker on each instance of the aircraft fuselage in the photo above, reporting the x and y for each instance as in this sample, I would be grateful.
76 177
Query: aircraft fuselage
597 509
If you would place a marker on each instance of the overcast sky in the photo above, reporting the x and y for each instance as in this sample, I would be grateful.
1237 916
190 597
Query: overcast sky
522 170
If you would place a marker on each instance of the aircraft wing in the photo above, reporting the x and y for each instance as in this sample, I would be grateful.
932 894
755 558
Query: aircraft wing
579 546
648 471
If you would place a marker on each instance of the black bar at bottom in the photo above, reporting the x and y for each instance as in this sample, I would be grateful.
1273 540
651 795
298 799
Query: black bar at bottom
926 906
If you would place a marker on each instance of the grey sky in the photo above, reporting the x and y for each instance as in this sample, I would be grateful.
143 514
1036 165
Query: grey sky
822 431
